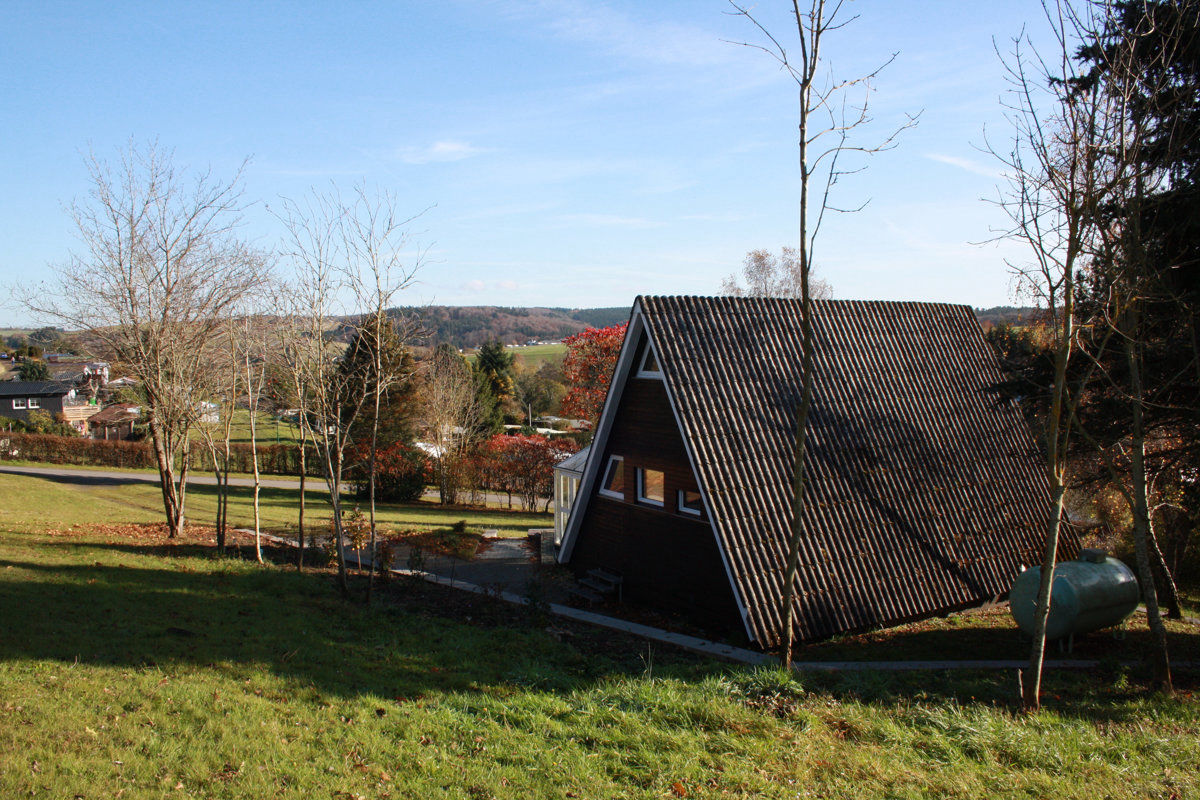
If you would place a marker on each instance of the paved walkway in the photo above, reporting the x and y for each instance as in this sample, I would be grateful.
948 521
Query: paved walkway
505 569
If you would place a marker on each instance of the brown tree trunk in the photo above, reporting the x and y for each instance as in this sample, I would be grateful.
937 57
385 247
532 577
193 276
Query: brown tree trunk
303 477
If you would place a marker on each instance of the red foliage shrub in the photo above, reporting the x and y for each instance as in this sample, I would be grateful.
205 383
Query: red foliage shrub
522 465
588 366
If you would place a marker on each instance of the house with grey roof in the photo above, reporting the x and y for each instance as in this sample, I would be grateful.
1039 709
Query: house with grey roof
926 491
19 398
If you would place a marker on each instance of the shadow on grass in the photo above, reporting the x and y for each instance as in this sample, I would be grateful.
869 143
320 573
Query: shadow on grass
112 605
235 616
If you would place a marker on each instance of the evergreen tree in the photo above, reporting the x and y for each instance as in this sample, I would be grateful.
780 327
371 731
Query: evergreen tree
398 409
30 370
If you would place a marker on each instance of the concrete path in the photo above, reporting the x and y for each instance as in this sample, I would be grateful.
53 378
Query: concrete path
504 570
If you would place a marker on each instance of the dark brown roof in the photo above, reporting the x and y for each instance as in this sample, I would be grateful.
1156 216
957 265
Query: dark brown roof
926 492
116 414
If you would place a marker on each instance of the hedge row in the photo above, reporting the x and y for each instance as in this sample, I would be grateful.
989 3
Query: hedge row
273 459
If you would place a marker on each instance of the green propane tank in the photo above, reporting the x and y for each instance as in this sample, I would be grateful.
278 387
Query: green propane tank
1095 591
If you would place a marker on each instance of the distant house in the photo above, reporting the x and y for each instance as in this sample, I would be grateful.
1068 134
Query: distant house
114 422
19 398
925 491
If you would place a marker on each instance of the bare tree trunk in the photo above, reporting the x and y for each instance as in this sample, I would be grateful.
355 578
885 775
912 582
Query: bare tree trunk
1056 438
371 479
1159 657
257 481
1174 609
303 477
166 476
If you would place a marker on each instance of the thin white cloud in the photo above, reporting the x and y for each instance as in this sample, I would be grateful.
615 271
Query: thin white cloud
439 152
967 164
507 286
639 38
474 286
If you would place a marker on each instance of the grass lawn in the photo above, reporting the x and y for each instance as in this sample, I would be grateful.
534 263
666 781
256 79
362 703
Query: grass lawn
57 503
269 429
133 669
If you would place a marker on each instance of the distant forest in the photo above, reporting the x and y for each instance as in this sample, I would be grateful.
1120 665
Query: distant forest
1011 315
471 326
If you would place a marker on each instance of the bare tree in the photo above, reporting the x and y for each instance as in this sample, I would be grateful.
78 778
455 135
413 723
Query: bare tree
222 384
766 275
378 267
253 366
291 353
1057 180
1137 55
339 251
160 267
453 414
828 119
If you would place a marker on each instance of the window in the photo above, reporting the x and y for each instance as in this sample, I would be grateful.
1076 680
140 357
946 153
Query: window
613 484
649 367
690 502
35 403
650 486
18 402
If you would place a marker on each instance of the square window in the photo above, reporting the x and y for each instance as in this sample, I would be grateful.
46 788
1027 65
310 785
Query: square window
650 486
35 403
690 502
613 484
18 402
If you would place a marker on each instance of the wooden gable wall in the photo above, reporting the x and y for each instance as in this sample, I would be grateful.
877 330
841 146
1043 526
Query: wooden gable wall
668 560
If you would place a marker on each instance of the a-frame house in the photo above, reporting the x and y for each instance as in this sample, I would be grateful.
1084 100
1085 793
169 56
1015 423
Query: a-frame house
926 493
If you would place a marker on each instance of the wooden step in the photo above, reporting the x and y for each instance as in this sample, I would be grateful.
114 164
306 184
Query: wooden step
587 594
605 575
603 587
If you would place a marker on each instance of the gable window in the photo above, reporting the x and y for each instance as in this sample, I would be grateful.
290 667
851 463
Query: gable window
690 502
35 403
18 402
649 366
613 484
650 486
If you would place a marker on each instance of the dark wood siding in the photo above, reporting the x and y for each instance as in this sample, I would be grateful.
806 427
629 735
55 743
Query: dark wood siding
669 561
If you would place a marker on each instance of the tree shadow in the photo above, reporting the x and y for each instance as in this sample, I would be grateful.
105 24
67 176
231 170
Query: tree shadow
109 608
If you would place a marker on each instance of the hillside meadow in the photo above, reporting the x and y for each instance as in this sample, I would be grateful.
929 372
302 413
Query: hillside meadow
135 668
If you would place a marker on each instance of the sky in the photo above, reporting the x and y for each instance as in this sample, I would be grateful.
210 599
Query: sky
569 153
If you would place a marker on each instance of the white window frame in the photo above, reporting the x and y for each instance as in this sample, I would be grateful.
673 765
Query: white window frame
691 512
34 402
19 403
649 373
604 475
641 488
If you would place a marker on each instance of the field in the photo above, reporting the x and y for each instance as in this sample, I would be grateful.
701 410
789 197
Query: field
133 669
269 429
534 355
110 502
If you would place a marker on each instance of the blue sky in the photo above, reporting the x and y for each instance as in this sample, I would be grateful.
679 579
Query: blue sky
574 152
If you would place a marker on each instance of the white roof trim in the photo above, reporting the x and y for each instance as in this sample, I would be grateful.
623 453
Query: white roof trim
616 387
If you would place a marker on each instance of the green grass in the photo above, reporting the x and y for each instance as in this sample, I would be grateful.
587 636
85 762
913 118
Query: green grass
37 503
128 670
534 355
134 669
268 429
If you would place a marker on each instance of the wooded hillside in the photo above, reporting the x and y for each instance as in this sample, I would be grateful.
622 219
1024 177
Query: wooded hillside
471 326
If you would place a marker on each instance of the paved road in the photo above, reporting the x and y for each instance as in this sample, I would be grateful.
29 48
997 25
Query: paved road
106 477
